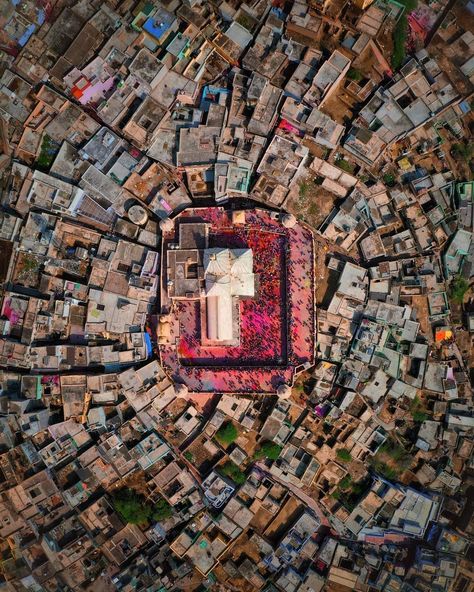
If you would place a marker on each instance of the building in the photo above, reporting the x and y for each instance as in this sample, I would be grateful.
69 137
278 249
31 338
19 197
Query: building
213 307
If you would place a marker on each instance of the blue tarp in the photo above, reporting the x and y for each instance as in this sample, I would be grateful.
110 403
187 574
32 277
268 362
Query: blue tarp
149 347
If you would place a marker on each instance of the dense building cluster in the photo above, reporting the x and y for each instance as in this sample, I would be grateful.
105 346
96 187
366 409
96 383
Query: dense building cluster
236 295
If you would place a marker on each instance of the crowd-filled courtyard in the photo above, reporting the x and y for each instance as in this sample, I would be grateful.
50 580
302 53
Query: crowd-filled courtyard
276 326
262 319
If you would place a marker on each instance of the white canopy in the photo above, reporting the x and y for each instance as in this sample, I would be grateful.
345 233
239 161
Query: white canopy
228 273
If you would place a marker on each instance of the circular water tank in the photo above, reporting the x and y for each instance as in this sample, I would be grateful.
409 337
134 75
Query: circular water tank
138 215
166 225
284 391
288 220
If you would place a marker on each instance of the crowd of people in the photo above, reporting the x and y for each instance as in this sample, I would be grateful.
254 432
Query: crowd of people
301 307
262 318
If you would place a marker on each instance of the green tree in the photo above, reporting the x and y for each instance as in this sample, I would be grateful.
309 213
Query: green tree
399 42
418 411
327 428
162 510
354 74
131 506
268 450
391 460
227 433
48 151
400 34
389 179
345 482
393 449
383 469
231 470
464 150
343 455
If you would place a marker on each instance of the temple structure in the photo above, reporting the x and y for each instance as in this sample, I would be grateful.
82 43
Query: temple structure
237 300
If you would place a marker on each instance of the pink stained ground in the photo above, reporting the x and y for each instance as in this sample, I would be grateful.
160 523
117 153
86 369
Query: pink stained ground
262 319
277 327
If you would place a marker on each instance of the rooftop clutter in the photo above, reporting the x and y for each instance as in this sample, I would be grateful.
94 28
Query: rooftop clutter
236 315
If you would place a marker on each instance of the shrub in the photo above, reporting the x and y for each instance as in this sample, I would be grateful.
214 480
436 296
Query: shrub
313 209
394 451
245 21
345 165
418 411
29 263
231 470
227 433
459 286
419 416
303 189
354 74
188 456
344 455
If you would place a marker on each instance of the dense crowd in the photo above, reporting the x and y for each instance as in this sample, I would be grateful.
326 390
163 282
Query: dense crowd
262 319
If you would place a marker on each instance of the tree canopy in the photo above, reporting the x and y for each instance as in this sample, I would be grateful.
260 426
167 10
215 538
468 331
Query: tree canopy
268 450
227 433
131 506
344 455
162 510
135 509
459 287
231 470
